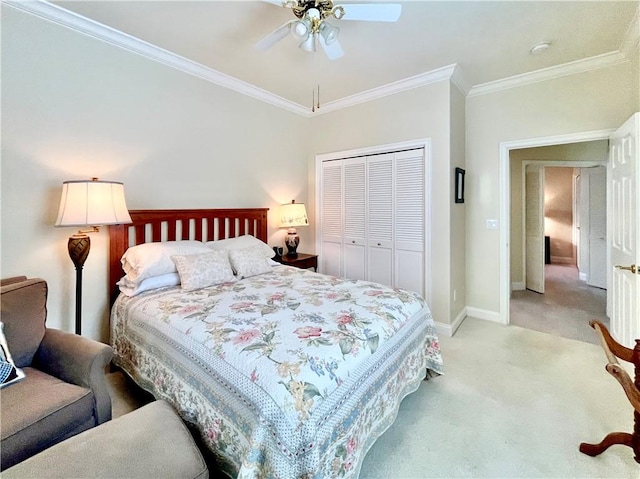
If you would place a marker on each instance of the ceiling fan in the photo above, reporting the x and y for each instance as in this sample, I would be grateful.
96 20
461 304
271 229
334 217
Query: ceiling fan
311 26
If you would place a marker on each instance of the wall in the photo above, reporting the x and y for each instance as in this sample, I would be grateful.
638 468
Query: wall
420 113
74 107
572 104
558 213
458 210
585 151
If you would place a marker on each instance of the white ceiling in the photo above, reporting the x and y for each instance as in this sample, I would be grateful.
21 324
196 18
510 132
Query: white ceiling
488 40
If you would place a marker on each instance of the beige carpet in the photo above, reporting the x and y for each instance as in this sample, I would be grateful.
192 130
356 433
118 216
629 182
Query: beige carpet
514 403
564 309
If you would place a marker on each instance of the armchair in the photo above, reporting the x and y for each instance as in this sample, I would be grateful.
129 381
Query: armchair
64 391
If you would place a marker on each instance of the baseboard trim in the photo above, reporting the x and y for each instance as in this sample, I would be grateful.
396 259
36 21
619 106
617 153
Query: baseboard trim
444 329
450 329
518 286
484 314
562 260
582 276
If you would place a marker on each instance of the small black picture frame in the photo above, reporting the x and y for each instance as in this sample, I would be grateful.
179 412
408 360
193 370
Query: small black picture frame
459 182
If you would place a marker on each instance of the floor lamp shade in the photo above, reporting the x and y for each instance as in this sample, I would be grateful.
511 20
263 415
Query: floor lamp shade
89 203
92 203
293 215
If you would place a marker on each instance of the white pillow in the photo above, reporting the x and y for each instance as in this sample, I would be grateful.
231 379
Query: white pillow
130 288
9 373
204 269
249 261
242 242
154 259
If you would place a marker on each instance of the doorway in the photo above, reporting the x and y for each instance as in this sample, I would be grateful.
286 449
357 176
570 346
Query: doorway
551 199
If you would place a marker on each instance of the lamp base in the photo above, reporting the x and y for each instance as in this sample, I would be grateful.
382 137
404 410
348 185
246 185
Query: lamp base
292 240
79 246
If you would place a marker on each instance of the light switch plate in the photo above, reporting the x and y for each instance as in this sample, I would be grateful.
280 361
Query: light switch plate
492 224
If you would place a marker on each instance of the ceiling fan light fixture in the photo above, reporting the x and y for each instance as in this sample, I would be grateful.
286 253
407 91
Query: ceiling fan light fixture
338 12
300 29
329 33
309 45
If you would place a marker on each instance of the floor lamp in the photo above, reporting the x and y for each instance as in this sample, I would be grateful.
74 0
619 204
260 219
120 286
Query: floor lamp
89 203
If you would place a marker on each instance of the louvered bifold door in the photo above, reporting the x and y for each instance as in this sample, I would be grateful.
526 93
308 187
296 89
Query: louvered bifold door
380 219
355 226
332 218
409 232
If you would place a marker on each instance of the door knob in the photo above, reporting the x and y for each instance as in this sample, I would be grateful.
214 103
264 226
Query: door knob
631 268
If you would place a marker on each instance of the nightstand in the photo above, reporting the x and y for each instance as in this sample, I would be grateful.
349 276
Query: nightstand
301 260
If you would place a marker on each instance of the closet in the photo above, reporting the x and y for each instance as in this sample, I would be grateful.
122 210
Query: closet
372 215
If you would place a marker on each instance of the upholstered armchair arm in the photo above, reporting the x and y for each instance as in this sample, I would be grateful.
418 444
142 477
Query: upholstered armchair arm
80 361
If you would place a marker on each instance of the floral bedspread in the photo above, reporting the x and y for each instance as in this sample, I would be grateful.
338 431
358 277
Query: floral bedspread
285 374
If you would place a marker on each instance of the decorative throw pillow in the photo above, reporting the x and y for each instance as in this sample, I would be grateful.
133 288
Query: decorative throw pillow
242 242
131 288
205 269
9 374
249 261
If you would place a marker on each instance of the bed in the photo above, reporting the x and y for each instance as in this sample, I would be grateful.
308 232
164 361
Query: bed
287 373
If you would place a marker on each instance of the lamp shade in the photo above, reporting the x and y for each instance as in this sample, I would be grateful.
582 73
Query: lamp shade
292 215
309 44
92 203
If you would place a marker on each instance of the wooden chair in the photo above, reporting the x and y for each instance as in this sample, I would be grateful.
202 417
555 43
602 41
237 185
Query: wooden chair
615 350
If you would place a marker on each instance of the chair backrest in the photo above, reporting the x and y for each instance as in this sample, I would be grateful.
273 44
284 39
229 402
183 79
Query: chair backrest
23 310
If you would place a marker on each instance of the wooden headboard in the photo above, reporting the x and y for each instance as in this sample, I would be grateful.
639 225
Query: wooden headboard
150 226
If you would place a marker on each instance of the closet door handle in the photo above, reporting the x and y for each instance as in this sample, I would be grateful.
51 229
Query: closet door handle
379 244
353 241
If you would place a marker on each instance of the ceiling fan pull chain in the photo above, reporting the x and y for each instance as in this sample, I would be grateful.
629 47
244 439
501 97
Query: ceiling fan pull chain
318 106
313 101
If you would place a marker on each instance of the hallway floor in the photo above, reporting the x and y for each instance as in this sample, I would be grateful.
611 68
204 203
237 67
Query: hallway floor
565 308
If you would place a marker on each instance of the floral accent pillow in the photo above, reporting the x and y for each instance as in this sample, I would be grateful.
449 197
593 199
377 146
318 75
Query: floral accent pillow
9 373
206 269
249 261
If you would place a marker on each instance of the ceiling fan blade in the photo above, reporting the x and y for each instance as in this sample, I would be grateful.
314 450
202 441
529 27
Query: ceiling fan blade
333 51
275 36
372 12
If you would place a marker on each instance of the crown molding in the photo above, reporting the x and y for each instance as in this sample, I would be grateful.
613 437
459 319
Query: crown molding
460 81
91 28
416 81
557 71
73 21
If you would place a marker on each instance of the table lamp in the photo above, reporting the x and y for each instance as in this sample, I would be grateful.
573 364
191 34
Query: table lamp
293 215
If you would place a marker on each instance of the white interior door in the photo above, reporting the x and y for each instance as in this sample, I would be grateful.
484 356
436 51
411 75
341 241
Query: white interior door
577 219
534 227
380 209
583 234
354 260
624 239
331 218
597 227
